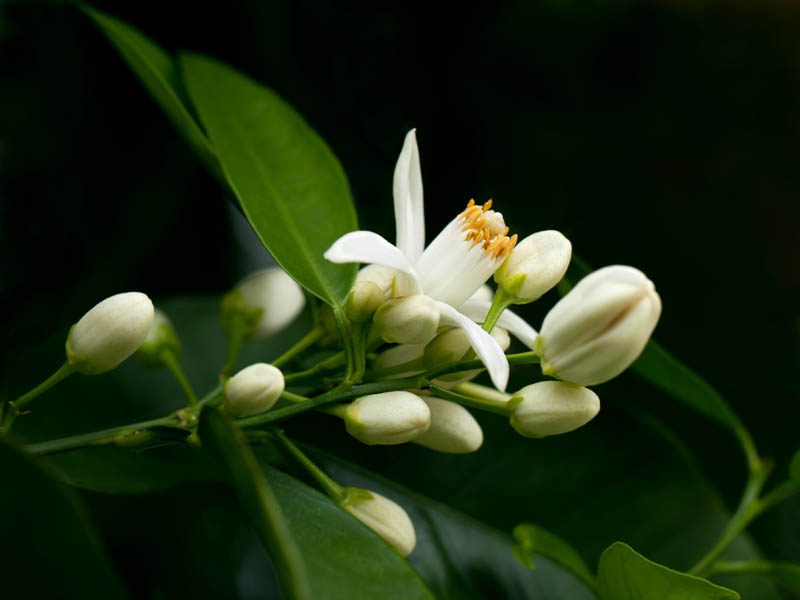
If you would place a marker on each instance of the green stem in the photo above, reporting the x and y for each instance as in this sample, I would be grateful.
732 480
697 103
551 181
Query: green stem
409 366
96 438
236 334
500 302
333 489
783 492
170 360
481 391
747 510
307 341
500 408
523 358
210 396
15 407
349 347
750 567
326 366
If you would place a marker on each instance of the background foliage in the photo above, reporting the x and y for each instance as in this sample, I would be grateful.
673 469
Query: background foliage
660 135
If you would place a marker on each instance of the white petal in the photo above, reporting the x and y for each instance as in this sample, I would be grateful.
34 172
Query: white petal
369 248
487 349
409 212
516 325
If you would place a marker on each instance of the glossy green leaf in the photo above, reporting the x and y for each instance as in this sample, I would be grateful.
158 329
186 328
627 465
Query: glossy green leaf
624 574
47 543
794 467
343 556
288 182
663 370
158 72
228 443
534 539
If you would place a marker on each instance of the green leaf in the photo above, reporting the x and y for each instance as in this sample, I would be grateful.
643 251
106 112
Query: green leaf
794 467
534 539
787 575
158 72
624 574
342 555
663 370
227 441
288 182
49 545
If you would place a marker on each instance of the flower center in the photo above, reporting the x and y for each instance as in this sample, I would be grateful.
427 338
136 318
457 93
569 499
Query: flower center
487 227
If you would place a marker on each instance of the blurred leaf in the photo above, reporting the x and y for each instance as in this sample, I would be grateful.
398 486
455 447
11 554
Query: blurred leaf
794 467
662 369
344 558
226 440
624 574
458 556
534 539
157 70
48 543
787 575
290 185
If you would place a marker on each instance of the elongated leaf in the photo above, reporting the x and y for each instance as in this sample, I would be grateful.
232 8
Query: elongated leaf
663 370
343 556
158 72
47 542
624 574
228 443
288 182
533 539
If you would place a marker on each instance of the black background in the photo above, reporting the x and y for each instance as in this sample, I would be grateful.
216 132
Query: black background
662 135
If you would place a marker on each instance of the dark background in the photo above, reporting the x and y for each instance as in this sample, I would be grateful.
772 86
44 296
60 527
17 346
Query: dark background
663 135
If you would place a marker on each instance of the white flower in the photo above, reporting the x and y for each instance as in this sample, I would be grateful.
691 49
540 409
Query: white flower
535 266
450 270
384 517
600 327
388 418
109 333
453 428
551 408
253 390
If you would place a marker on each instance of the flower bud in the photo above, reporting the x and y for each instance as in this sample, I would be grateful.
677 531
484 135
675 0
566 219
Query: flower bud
109 333
253 390
451 346
453 428
399 355
363 300
381 276
600 327
535 266
161 338
407 320
551 408
268 300
384 517
387 418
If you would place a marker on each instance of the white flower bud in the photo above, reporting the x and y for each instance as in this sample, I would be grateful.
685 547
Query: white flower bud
451 346
600 327
535 266
109 333
399 355
253 390
162 337
383 277
453 428
384 517
551 408
387 418
407 320
268 299
363 300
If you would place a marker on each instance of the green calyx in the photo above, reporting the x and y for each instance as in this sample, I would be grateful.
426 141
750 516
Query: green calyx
237 312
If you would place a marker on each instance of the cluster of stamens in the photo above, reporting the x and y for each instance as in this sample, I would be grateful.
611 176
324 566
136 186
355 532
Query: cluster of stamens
486 227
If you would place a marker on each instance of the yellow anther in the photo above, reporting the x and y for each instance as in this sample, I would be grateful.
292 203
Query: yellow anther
485 227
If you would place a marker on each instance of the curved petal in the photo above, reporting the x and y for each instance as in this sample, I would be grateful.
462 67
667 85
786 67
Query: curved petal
487 349
409 212
516 325
369 248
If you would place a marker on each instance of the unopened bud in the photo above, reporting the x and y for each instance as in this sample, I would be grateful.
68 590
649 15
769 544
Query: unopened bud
600 327
383 277
534 266
551 408
267 301
363 300
383 516
453 428
388 418
253 390
161 338
451 346
407 320
109 333
399 355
